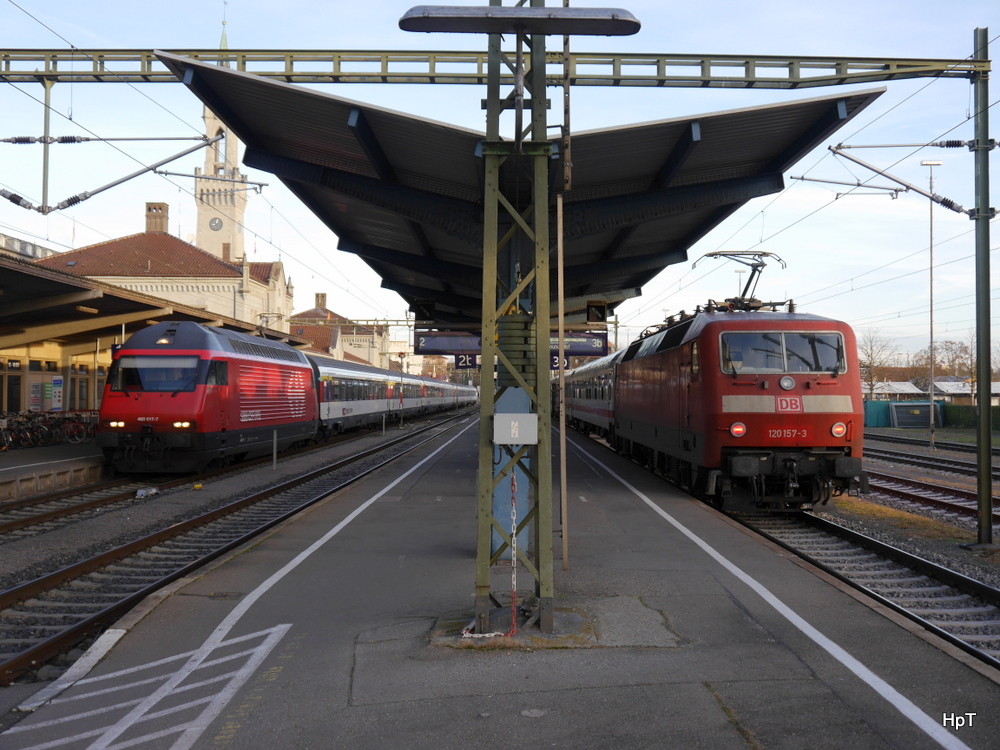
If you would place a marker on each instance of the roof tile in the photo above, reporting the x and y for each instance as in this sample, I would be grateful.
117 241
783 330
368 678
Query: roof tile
156 254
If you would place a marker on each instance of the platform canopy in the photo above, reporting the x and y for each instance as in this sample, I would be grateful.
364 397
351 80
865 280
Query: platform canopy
39 304
406 193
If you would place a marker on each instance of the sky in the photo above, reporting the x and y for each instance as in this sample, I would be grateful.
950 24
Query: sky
863 258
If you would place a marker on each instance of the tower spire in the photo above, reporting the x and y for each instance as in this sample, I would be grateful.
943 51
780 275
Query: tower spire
221 204
224 43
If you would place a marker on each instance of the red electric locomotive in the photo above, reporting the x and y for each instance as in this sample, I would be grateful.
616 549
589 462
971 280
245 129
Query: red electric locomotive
180 395
734 400
768 402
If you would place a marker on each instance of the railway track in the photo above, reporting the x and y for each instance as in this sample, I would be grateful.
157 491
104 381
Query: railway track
44 617
936 463
39 514
42 513
919 442
958 609
949 499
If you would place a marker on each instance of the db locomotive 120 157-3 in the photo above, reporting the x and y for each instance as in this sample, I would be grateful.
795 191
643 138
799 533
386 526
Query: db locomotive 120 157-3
182 395
766 403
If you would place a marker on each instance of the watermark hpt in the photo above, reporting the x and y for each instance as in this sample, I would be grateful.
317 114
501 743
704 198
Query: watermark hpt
957 720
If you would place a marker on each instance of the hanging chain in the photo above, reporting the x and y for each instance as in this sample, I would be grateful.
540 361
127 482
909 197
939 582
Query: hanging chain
513 553
467 630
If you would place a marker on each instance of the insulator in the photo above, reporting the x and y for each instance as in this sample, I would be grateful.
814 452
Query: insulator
791 306
952 144
70 139
948 203
22 139
16 199
70 201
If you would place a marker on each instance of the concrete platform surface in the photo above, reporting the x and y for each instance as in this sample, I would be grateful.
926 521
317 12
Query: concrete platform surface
677 630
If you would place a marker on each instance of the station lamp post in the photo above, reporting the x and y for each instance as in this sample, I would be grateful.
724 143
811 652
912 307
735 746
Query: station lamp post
931 165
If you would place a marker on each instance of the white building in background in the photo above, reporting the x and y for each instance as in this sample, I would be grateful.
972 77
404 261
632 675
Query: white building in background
24 248
161 265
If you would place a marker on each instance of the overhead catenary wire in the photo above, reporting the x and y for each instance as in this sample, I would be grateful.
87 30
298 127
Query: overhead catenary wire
669 291
345 288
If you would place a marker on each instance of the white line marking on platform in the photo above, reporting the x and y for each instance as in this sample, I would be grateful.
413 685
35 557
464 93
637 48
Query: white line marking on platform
903 704
189 737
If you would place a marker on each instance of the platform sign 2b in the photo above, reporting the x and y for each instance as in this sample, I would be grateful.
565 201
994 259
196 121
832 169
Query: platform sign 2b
467 361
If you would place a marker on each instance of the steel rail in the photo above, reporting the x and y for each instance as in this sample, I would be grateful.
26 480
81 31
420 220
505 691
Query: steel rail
959 582
37 654
883 483
920 442
156 483
938 463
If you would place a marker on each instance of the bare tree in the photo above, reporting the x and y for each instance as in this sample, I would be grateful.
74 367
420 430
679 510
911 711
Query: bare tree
876 353
966 362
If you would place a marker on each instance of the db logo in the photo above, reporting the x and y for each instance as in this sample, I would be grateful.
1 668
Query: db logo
789 403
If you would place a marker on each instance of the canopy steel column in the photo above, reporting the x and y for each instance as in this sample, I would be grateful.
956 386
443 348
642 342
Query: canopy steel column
516 332
515 434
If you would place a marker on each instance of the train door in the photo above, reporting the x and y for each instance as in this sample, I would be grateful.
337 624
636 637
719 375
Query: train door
217 385
684 364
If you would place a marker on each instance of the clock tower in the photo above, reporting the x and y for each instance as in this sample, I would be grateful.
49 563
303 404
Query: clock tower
221 193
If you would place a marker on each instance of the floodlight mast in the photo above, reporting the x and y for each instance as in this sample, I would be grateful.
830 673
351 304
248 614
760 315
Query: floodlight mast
516 307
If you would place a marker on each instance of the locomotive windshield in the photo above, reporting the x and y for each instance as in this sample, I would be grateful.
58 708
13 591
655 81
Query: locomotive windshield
154 373
757 352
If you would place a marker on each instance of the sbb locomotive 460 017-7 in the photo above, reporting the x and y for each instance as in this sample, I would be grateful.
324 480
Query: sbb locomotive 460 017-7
766 403
182 395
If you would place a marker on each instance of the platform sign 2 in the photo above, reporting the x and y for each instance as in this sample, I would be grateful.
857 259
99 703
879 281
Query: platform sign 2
460 343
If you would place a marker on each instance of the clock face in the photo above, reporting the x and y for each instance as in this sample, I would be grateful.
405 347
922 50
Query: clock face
215 224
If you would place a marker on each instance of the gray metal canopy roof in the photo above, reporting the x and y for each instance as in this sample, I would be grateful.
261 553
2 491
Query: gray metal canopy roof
406 194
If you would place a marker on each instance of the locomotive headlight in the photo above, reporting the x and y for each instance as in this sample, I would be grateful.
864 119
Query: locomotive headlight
737 429
182 425
787 383
839 430
116 424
